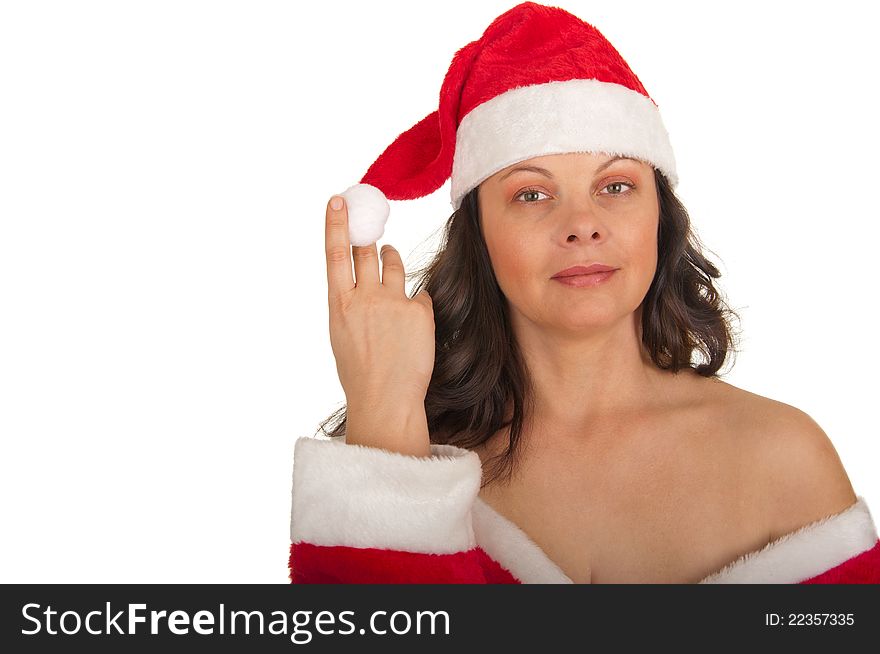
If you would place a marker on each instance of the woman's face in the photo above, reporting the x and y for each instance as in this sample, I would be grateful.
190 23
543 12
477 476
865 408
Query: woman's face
584 210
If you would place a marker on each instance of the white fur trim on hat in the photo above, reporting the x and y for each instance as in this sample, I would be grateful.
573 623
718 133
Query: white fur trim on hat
579 115
361 496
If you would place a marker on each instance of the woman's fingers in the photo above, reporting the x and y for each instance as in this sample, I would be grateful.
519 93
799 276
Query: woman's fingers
366 265
393 274
338 250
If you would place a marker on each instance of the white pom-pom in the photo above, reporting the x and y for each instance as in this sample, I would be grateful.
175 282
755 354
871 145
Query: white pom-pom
367 213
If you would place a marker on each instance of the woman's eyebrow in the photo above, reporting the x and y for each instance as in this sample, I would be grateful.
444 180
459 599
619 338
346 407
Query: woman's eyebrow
533 169
547 173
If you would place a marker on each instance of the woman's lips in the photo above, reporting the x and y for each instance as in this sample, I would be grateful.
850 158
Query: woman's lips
581 281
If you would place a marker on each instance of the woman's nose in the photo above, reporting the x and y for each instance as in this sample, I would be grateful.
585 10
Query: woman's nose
582 223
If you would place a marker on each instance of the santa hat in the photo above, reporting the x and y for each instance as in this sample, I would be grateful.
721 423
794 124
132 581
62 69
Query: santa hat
538 81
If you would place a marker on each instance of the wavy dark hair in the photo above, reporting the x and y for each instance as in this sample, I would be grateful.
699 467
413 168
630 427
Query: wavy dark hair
479 372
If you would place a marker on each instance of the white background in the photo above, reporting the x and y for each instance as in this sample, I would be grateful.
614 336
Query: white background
164 172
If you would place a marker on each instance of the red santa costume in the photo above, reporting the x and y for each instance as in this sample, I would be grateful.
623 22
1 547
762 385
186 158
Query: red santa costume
367 515
538 81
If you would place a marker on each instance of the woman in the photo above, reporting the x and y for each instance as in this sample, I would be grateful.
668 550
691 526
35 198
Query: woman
613 456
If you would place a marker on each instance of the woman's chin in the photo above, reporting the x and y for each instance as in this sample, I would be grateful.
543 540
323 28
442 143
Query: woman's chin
584 321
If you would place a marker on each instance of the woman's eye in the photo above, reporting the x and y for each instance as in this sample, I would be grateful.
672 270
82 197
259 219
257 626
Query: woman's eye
529 192
533 192
618 192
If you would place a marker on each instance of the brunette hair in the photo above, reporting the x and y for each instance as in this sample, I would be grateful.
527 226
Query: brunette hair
479 373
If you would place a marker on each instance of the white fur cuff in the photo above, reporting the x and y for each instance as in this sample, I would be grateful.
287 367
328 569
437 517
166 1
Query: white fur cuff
362 496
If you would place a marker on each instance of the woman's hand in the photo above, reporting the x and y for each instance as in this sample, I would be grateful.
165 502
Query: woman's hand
383 342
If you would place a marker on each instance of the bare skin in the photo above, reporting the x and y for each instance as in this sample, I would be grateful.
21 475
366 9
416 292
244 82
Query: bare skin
660 496
578 342
631 474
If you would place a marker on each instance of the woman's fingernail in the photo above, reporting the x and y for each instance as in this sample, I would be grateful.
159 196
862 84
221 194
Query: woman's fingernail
336 203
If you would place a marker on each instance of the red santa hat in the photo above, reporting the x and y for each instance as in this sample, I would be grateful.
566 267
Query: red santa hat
538 81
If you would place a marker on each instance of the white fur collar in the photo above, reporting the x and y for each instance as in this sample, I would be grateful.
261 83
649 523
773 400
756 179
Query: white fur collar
791 558
805 552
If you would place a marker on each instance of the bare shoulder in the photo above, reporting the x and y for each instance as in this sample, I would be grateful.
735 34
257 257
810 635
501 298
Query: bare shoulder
798 471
